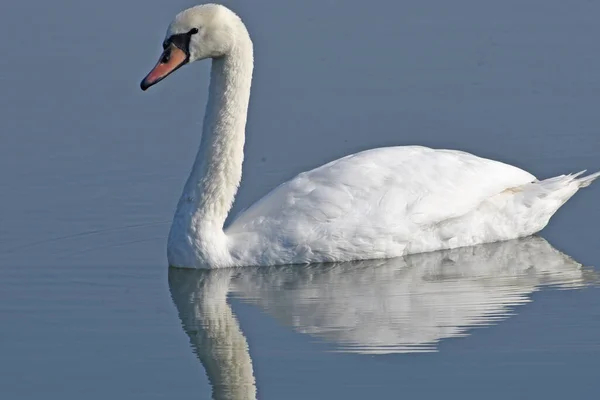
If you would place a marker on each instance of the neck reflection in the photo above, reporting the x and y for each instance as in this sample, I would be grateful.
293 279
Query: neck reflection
215 335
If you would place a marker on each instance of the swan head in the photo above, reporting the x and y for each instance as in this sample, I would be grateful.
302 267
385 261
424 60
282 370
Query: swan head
200 32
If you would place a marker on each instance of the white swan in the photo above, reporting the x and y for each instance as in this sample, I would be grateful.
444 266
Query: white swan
379 203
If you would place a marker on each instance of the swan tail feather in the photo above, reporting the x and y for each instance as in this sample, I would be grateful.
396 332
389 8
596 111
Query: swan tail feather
586 180
562 181
536 202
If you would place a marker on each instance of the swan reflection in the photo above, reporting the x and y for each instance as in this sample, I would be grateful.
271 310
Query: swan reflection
378 306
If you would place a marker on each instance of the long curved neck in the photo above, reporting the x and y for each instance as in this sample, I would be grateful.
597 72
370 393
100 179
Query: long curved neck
217 170
211 187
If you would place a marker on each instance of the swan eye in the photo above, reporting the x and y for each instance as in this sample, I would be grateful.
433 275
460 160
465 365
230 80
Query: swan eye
193 31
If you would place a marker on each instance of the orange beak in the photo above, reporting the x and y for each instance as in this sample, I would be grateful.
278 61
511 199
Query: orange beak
171 60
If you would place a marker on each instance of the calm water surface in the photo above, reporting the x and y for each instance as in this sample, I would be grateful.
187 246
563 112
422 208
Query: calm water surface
91 169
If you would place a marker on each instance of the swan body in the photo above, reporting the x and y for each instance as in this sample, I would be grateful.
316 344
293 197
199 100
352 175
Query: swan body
379 203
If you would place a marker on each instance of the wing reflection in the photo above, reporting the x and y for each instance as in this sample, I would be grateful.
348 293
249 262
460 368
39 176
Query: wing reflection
377 306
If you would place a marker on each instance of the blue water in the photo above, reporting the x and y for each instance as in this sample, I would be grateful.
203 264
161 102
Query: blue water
91 169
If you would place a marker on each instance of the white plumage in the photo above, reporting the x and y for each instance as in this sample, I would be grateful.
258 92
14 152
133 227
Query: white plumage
379 203
394 201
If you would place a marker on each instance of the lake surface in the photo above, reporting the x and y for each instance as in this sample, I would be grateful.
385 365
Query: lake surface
91 169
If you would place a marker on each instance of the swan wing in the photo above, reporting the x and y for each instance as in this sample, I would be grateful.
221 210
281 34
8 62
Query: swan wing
374 195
